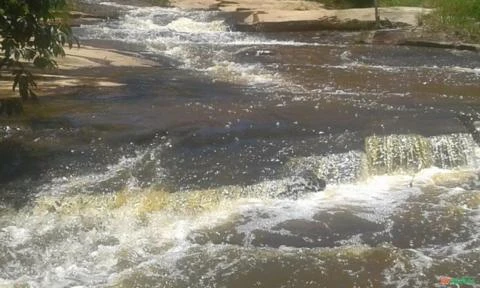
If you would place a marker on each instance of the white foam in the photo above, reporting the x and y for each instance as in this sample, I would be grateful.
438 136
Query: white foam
354 65
475 70
91 235
196 39
191 26
89 183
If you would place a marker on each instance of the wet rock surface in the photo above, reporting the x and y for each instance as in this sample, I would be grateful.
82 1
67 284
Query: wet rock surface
326 229
416 37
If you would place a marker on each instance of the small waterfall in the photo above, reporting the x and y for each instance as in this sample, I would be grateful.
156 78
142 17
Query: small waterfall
453 151
389 155
398 153
411 153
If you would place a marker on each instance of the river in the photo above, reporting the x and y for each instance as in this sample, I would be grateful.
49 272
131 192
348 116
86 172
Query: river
208 170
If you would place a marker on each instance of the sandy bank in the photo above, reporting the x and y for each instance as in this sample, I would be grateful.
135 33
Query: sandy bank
90 57
84 58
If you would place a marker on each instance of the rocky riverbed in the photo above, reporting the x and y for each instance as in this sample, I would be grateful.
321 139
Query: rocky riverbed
221 158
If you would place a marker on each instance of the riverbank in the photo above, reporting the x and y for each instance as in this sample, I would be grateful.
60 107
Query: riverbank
300 15
86 59
400 25
282 16
416 36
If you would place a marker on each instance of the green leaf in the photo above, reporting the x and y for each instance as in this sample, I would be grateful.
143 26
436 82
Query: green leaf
42 62
32 31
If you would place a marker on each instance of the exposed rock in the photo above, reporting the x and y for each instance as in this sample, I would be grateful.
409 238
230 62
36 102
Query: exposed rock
90 14
86 57
324 19
441 44
196 4
307 25
247 5
305 182
299 15
390 37
414 37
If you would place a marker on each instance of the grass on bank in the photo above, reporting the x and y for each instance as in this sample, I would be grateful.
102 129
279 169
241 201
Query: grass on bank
407 3
460 17
457 17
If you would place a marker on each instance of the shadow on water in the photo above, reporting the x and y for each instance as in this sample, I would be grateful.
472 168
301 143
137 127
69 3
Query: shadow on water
83 133
16 163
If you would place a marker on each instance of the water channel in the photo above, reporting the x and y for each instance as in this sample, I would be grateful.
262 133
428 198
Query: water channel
208 169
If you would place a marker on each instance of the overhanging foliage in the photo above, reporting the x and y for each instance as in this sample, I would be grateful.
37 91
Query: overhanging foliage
32 33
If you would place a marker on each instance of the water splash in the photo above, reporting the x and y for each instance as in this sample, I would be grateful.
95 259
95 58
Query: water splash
188 25
143 234
143 169
335 168
450 152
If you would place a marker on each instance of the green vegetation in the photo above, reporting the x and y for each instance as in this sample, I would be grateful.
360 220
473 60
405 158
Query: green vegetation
460 17
408 3
457 17
32 33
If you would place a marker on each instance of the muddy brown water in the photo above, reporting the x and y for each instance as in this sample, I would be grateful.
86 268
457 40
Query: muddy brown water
174 179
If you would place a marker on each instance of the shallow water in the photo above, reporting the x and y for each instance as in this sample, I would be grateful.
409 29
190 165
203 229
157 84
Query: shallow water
191 176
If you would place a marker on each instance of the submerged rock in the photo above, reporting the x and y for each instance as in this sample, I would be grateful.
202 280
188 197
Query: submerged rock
306 181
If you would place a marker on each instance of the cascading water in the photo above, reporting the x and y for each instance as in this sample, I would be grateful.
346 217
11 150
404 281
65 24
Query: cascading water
411 153
200 41
400 209
192 38
146 236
